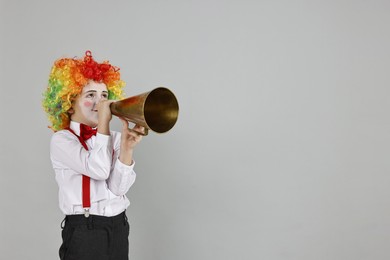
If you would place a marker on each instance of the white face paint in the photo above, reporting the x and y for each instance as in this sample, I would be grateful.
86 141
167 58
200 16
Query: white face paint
84 106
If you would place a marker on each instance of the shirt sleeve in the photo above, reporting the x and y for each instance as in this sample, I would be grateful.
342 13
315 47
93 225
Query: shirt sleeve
66 151
121 179
122 176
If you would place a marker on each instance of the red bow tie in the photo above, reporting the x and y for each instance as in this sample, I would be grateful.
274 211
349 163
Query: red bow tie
86 132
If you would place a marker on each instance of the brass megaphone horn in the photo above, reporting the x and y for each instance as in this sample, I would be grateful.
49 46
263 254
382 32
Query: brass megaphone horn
156 110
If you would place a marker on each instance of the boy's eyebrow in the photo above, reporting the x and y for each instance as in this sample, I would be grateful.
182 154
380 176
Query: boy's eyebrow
94 91
90 91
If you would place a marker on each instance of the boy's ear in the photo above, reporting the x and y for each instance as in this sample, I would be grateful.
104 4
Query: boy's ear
71 111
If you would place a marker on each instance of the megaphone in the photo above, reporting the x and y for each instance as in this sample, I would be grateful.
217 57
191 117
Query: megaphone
156 110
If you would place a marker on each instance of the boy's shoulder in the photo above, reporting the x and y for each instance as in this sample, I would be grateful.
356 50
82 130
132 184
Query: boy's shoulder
63 134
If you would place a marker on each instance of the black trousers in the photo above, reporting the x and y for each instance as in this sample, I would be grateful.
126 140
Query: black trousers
95 238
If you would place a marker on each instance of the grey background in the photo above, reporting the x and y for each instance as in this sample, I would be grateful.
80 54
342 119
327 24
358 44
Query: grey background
281 150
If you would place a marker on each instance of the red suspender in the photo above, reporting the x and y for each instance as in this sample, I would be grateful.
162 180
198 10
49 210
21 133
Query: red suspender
86 182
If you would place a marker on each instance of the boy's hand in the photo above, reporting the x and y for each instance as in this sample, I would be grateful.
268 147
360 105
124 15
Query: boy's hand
129 139
104 116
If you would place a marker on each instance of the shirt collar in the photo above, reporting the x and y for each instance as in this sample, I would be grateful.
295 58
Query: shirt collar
75 126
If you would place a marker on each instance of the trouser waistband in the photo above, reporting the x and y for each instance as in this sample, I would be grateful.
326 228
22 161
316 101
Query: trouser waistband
75 220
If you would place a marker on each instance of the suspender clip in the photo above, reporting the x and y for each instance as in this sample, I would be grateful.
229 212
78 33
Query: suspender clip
86 212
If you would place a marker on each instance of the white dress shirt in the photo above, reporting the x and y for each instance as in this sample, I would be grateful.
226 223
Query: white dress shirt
110 178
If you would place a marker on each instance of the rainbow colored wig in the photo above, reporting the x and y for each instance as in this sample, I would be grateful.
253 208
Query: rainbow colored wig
66 81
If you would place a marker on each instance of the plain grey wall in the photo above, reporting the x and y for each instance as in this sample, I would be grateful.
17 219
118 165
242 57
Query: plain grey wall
281 150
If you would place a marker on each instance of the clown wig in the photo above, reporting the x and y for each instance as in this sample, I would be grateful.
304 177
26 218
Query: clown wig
66 81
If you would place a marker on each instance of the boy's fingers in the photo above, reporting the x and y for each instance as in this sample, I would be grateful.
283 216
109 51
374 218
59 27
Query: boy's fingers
137 131
139 127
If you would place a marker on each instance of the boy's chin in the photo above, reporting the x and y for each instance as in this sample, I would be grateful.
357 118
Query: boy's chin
92 123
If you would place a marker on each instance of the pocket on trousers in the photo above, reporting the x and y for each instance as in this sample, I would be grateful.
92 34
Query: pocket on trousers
91 243
66 235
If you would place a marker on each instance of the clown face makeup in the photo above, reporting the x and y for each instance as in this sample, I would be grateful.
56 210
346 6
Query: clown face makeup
84 107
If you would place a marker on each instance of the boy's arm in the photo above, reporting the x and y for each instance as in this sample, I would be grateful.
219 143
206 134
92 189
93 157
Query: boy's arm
123 175
66 151
121 178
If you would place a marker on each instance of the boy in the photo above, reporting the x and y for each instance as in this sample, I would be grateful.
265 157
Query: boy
93 166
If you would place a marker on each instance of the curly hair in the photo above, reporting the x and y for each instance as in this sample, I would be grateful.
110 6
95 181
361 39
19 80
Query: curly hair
66 81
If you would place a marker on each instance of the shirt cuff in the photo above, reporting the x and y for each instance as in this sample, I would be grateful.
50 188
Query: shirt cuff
124 167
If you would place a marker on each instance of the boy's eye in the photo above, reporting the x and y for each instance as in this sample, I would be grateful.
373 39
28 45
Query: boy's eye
90 95
105 95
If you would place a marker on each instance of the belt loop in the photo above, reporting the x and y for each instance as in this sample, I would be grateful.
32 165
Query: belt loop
63 222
